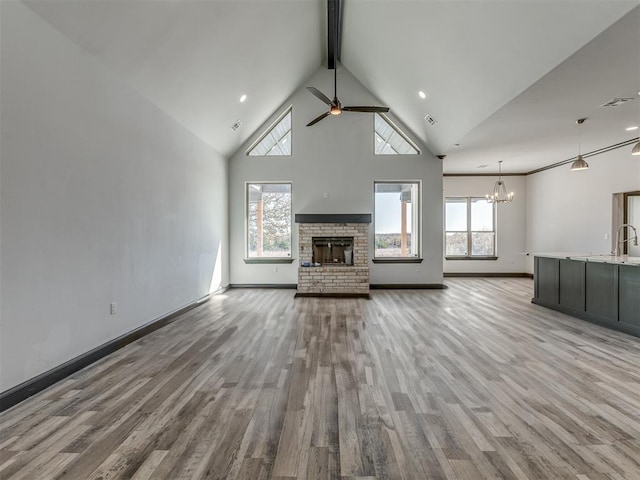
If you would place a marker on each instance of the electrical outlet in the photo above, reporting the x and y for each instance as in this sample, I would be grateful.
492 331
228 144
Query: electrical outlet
276 269
112 308
606 236
325 195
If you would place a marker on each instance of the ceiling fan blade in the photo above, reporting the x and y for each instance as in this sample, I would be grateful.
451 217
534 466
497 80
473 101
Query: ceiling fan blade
317 119
366 109
320 95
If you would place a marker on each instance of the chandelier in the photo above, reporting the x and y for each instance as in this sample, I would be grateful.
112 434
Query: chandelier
499 194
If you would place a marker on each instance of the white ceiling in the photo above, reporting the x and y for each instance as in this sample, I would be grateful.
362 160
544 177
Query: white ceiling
505 79
195 58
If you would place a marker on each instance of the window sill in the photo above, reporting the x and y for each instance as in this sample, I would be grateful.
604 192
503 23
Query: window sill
471 258
268 260
397 260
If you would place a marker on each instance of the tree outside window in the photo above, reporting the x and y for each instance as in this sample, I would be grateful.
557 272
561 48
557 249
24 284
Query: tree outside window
469 227
268 220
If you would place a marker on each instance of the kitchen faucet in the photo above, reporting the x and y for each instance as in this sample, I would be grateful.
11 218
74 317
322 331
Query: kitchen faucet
618 242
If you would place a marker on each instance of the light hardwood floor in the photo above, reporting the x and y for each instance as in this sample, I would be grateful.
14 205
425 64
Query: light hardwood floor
473 382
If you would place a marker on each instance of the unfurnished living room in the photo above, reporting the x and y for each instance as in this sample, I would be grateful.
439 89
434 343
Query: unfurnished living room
319 239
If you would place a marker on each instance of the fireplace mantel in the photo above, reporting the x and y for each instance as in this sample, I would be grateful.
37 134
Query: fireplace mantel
333 218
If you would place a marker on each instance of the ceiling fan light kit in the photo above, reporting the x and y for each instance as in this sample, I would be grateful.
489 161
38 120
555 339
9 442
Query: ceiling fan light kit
335 107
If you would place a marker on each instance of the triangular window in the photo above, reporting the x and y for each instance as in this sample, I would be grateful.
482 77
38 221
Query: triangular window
390 140
276 140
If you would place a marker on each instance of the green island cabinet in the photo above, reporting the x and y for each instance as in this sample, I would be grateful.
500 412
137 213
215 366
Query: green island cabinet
600 292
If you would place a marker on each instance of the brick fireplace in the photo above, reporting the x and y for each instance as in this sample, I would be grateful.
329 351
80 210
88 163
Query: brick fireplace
337 249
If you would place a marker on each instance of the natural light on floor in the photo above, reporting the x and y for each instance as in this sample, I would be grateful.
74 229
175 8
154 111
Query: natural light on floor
216 277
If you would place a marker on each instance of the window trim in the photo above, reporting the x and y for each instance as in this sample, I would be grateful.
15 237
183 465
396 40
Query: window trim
397 259
470 232
418 214
268 130
398 131
254 260
259 260
476 257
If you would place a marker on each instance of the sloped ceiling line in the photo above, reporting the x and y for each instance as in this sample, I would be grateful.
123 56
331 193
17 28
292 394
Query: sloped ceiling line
626 143
499 76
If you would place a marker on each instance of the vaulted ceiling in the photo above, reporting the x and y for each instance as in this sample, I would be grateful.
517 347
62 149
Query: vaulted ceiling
505 80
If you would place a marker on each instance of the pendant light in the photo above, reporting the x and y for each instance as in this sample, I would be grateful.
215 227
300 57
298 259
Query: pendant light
579 163
499 194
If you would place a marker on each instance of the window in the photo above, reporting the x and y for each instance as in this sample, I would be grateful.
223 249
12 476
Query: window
469 228
268 220
276 140
389 139
396 220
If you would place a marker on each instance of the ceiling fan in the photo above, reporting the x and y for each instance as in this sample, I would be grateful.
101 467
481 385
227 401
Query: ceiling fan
335 107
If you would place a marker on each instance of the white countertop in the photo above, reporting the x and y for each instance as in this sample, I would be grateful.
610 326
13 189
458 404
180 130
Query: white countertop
590 257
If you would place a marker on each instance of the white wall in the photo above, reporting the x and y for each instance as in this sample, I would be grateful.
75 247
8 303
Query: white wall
510 224
335 156
571 211
104 198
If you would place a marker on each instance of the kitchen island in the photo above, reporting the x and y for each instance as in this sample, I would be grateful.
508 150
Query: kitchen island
603 289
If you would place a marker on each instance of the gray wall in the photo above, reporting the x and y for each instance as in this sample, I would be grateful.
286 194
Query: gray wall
510 224
571 211
335 156
104 198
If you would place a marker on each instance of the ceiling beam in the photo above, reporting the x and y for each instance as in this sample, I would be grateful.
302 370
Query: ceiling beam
334 32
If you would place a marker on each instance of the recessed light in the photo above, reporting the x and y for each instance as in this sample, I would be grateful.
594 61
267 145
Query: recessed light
628 129
456 145
243 98
422 95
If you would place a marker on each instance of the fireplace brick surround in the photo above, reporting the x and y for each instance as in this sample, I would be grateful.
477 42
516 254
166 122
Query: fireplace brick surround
340 279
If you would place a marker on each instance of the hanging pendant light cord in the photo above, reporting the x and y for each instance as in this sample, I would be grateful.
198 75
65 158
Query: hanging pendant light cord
579 137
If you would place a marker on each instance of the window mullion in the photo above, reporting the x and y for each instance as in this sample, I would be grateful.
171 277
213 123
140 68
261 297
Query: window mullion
468 226
477 247
269 136
494 211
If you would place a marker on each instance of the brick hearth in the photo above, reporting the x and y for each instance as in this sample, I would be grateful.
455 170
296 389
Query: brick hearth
334 279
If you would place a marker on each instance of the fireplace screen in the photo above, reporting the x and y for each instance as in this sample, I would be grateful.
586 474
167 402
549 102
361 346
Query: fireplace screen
333 250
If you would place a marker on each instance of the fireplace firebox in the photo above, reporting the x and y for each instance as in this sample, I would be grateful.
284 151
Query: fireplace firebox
332 250
334 255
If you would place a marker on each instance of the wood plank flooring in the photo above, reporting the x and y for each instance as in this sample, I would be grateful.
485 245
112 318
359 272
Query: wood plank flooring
473 383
